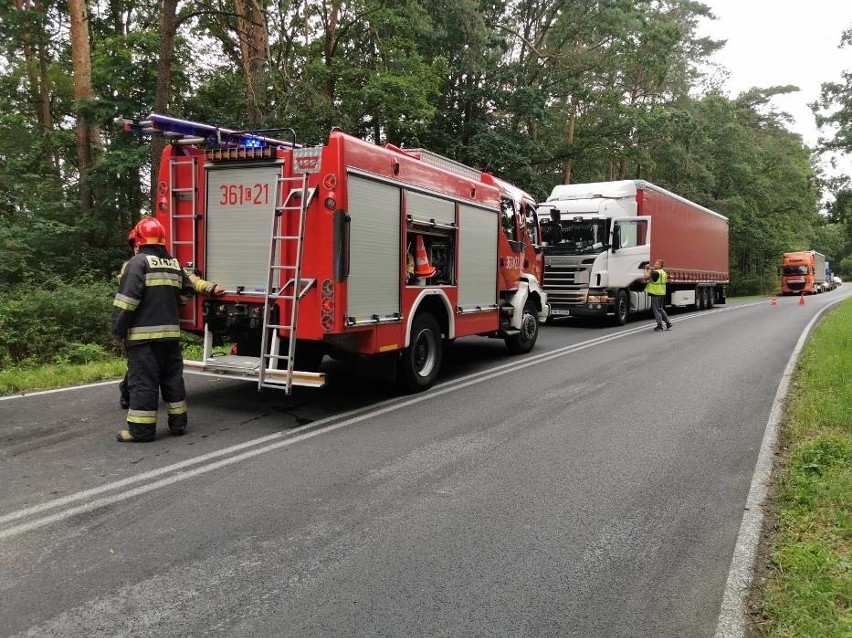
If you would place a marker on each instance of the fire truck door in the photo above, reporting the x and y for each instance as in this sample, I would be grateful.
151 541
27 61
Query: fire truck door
240 210
374 250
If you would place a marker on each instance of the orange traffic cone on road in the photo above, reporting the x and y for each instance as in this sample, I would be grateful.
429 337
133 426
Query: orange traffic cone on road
773 301
802 299
422 267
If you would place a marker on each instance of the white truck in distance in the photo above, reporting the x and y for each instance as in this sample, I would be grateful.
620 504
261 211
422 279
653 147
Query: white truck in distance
599 237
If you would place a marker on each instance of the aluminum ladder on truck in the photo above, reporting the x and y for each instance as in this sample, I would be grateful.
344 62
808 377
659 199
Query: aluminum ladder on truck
189 194
293 198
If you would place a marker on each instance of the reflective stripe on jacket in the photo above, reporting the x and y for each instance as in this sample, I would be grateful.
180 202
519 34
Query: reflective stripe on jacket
153 287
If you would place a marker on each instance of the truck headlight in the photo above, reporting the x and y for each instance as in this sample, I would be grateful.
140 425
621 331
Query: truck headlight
598 299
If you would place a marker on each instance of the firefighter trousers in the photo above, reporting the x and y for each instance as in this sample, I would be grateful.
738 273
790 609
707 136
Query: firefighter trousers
155 367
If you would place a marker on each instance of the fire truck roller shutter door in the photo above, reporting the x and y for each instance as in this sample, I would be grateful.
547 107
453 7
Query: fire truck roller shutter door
478 228
374 253
240 208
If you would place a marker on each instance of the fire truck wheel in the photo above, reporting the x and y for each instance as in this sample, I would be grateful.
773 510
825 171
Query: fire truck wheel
525 340
622 307
420 362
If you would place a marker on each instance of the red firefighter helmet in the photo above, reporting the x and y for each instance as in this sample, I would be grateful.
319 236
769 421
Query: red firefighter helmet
148 231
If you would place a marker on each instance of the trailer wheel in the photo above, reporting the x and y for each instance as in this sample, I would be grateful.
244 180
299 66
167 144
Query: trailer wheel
420 362
700 299
524 341
622 307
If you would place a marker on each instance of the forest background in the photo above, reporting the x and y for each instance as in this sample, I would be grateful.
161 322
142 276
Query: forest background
538 92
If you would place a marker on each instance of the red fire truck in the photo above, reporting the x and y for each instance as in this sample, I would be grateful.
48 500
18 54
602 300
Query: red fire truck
341 249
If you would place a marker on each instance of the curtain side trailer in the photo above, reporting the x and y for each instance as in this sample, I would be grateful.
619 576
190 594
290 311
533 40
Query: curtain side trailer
601 235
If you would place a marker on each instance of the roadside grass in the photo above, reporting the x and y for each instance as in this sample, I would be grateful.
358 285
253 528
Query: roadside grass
803 584
23 379
32 378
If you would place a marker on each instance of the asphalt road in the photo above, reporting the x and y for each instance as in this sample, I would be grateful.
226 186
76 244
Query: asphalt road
594 487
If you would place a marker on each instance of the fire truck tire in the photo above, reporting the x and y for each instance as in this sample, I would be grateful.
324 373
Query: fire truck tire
420 362
621 307
524 341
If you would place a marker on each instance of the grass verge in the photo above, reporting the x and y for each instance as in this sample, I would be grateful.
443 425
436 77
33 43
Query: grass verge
22 379
803 584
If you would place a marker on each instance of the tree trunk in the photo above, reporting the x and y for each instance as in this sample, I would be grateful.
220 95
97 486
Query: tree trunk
253 39
33 45
568 166
81 59
163 97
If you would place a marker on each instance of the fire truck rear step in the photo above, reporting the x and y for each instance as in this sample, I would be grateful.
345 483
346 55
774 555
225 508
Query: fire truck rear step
248 368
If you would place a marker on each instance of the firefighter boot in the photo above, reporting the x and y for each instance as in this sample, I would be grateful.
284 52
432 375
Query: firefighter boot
177 424
126 436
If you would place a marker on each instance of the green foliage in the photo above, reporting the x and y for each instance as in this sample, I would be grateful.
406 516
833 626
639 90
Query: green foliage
533 92
58 322
821 455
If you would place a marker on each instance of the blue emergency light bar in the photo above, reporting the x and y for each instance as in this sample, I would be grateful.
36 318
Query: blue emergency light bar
186 132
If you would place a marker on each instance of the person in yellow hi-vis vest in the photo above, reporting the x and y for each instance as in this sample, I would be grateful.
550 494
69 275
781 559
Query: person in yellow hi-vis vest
656 288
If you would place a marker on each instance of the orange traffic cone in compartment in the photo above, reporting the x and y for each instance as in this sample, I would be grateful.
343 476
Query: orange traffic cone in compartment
422 267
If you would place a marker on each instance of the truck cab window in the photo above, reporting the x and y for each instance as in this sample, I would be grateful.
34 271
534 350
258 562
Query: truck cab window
632 234
531 220
507 215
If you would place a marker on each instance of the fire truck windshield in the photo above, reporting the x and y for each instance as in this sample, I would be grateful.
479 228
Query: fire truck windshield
570 237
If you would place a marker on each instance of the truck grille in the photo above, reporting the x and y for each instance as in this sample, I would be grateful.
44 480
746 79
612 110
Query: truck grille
566 284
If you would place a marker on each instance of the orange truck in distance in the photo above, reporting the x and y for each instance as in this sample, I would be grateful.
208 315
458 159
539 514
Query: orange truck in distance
803 273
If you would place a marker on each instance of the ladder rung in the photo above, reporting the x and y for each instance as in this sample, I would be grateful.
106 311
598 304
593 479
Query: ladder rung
182 190
274 296
285 237
191 216
283 268
278 327
275 356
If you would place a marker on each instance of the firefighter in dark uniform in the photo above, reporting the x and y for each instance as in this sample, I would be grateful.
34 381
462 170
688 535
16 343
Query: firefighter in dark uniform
146 320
